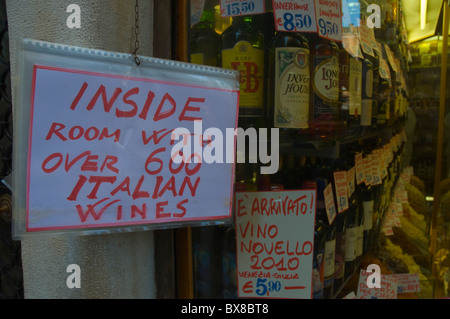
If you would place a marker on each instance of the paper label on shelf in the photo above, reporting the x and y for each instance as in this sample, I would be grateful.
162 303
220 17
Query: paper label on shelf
294 15
366 39
387 289
381 165
329 203
351 181
234 8
329 19
407 283
359 167
367 163
352 45
341 187
390 57
376 174
401 196
384 71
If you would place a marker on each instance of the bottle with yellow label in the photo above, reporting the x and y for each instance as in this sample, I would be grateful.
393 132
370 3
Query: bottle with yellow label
289 88
243 50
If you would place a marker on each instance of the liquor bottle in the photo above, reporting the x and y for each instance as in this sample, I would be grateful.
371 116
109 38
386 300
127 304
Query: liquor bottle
368 76
367 198
351 81
339 256
376 87
326 118
243 50
204 42
383 92
289 76
344 93
351 234
319 250
330 240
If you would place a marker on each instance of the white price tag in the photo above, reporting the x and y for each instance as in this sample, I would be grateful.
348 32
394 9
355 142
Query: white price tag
341 186
329 203
234 8
294 15
196 11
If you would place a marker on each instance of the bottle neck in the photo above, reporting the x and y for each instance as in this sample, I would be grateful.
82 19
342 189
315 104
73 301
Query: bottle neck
242 20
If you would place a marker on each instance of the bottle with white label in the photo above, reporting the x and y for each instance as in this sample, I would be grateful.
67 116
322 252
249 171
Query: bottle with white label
289 89
326 118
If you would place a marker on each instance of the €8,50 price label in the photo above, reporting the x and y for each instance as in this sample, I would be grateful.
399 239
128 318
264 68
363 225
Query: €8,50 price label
295 15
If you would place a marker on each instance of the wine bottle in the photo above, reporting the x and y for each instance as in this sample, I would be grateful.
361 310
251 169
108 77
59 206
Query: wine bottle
367 198
289 78
204 42
330 240
319 250
351 236
350 83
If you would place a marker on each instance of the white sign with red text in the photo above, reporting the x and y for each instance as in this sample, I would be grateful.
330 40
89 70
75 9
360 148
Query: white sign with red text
100 149
274 241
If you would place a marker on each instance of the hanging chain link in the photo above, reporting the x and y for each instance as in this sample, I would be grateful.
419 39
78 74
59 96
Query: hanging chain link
136 33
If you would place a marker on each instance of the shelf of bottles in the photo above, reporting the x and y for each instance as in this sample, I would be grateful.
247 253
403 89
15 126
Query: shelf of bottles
339 107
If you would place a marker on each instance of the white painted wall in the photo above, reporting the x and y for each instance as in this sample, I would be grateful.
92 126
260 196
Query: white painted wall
112 266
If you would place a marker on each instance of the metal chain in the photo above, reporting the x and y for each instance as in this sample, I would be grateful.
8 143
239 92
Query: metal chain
136 33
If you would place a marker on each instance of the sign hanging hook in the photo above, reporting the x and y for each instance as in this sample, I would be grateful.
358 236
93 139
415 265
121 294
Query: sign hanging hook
136 33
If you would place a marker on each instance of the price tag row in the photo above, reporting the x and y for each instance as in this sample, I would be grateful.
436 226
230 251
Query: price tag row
321 16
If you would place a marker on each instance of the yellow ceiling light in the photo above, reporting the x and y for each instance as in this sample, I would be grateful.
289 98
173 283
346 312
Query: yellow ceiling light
421 18
423 14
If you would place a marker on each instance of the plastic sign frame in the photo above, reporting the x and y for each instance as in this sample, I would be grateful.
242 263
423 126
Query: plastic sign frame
95 146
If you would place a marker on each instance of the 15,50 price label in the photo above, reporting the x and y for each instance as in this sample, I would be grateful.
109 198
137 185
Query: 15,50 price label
295 16
233 8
